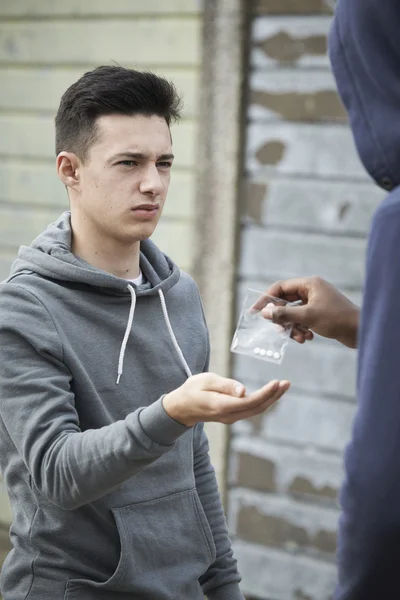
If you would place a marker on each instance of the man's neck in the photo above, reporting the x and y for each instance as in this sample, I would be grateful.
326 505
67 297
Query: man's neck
121 260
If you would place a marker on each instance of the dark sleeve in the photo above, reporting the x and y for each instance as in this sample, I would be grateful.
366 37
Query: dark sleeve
369 533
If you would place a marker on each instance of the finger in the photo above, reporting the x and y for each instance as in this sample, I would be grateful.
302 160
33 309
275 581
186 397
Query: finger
222 385
302 334
283 388
299 337
263 407
287 314
301 328
265 393
263 301
290 289
223 405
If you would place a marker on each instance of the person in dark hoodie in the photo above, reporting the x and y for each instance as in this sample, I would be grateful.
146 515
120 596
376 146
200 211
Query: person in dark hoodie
365 56
103 384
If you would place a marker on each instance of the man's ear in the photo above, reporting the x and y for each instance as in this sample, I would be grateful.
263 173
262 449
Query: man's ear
68 169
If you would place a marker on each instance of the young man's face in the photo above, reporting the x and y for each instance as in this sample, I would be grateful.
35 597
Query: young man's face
124 180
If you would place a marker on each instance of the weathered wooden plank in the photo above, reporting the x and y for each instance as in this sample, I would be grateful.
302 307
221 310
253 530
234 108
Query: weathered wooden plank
293 7
41 89
310 205
282 576
283 523
33 137
278 255
161 42
294 95
20 226
303 420
308 475
29 184
303 149
300 41
45 8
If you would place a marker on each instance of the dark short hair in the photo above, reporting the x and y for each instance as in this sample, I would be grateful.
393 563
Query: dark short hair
111 90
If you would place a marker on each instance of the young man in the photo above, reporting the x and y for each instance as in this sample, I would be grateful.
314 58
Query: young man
365 56
103 390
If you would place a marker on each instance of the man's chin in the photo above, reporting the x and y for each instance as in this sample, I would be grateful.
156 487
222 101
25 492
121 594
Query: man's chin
142 234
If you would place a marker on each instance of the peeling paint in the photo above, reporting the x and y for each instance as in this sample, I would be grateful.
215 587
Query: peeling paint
277 574
286 48
271 153
319 470
302 485
343 210
318 106
267 530
273 7
254 200
272 530
255 473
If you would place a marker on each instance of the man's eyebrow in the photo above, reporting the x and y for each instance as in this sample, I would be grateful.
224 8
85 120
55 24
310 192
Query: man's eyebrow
140 156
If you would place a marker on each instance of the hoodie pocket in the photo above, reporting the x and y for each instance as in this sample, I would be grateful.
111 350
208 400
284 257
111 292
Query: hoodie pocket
166 545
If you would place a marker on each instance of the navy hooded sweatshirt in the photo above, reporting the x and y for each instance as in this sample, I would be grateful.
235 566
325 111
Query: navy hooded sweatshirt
365 56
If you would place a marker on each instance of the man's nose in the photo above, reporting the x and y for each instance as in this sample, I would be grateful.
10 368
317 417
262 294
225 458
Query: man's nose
151 181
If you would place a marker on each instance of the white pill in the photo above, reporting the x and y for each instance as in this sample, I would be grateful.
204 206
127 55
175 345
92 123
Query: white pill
269 353
262 352
257 350
277 355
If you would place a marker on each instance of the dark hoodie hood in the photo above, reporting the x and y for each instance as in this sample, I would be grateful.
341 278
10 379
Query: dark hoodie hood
364 50
50 256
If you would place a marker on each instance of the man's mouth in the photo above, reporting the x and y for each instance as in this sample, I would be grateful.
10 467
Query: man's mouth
146 210
149 207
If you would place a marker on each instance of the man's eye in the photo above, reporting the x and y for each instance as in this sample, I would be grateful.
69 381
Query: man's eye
164 165
127 163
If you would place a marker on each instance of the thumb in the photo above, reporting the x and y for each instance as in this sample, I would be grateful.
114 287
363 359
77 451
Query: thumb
223 385
286 314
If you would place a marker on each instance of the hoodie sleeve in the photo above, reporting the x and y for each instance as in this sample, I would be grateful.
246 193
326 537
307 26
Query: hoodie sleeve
69 467
221 581
369 536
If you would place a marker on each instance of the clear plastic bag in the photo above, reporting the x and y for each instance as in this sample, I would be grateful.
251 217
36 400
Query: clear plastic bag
259 337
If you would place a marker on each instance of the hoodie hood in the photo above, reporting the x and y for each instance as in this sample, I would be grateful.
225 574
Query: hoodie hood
50 256
365 58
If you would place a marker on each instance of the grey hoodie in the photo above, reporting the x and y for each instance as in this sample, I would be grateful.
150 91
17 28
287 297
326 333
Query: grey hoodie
112 499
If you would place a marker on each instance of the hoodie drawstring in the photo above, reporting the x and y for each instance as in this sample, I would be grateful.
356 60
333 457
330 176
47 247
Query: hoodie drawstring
127 333
129 328
171 333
